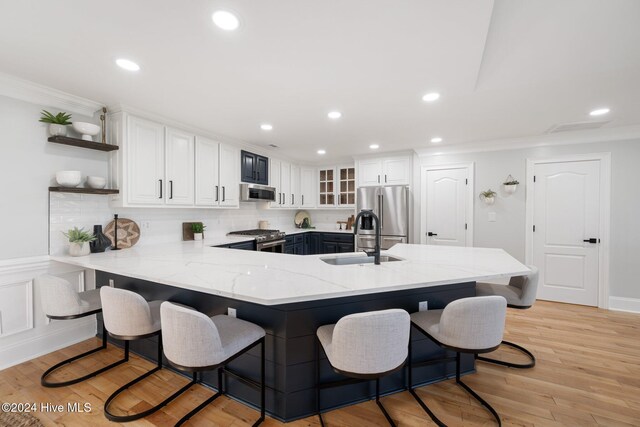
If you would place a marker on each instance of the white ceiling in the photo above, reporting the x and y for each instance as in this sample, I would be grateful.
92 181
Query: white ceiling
505 69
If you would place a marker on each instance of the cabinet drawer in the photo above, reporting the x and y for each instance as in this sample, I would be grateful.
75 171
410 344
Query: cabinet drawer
337 237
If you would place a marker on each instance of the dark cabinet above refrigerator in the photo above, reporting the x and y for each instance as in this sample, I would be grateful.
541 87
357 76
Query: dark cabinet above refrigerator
254 168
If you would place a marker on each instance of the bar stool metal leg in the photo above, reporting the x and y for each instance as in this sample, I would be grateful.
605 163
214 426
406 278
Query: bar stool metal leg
473 393
50 384
521 349
126 418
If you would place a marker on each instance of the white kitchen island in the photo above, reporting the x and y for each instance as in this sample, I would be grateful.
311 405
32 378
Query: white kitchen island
291 295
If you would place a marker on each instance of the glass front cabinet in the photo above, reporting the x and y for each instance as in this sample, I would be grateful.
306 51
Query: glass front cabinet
337 186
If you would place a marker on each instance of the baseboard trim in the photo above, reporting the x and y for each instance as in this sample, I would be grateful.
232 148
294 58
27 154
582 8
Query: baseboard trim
631 305
45 343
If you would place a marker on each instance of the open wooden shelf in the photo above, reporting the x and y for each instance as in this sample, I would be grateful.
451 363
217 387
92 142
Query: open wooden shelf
83 190
77 142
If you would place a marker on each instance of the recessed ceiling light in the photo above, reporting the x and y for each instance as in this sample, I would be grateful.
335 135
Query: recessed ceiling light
374 146
599 112
334 115
431 96
127 65
436 139
225 20
321 152
266 126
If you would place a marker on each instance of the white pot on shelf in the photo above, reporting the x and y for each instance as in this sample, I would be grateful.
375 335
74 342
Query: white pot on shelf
197 236
57 130
79 248
510 188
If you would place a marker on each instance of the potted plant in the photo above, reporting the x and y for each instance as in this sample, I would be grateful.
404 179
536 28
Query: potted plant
510 184
79 240
488 196
57 124
198 230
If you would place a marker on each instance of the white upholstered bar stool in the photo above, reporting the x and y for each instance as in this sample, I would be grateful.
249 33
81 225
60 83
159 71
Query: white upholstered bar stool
467 325
364 346
195 342
61 302
128 316
520 293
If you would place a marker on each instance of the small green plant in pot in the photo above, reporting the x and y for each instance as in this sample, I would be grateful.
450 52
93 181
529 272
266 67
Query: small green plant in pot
79 240
510 184
198 230
57 123
489 196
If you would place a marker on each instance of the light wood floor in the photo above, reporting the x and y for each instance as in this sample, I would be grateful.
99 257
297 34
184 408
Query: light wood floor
588 373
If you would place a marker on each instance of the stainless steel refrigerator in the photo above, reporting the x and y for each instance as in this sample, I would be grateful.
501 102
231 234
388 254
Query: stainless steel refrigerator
391 205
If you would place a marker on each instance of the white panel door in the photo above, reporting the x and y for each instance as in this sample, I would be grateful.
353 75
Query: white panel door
396 171
296 188
146 168
566 213
369 172
446 207
207 171
180 167
229 176
308 185
285 184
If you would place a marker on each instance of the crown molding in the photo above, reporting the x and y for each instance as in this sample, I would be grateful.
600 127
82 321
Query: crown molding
616 134
25 90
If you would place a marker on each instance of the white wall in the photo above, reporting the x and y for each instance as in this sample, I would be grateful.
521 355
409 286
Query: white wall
508 232
27 167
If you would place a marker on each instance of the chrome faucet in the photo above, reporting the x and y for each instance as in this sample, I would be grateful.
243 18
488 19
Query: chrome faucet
368 213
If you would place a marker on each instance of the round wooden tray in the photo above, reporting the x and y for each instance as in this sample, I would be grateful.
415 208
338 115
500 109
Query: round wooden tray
128 233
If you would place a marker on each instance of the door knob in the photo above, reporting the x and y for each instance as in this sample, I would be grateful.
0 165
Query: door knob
591 240
430 234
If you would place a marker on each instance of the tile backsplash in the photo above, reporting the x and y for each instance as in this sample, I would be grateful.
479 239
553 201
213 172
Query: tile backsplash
163 225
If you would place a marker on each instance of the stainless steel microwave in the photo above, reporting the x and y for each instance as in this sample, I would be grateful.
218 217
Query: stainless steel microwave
257 193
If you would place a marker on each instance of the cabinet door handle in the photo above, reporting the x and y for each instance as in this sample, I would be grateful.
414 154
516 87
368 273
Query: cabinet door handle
253 174
293 199
303 200
170 189
217 193
378 179
430 234
385 178
160 189
258 173
591 240
224 195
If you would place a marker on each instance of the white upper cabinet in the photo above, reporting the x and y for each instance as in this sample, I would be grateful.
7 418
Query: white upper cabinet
275 173
308 188
396 171
285 184
162 166
145 151
369 172
180 174
207 172
384 171
296 195
229 176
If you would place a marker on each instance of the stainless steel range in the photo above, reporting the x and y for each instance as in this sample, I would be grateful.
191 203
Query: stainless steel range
266 240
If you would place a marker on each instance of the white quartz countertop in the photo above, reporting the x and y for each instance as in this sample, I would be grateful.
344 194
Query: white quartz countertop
270 278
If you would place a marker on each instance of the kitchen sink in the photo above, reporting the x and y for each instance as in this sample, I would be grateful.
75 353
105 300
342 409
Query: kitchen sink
360 259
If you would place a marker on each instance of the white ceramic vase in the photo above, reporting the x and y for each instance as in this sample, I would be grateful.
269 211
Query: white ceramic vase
510 188
197 236
79 248
57 130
